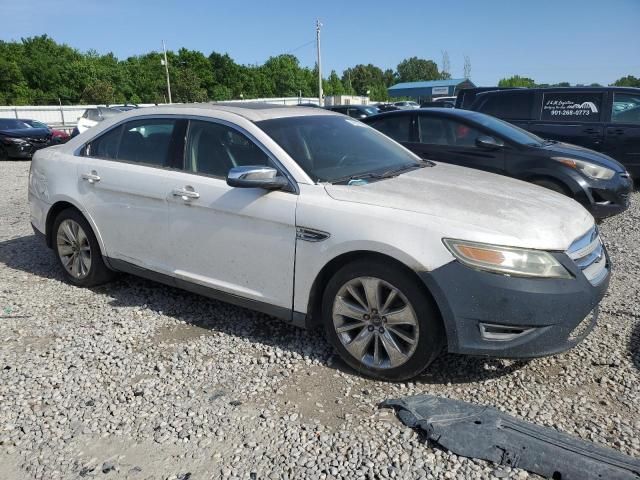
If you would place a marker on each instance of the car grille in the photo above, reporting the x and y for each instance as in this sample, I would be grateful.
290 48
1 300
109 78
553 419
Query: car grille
588 254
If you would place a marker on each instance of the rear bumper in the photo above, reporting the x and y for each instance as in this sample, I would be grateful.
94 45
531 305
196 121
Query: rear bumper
553 314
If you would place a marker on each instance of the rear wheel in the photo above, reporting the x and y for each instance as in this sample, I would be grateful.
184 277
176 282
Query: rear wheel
380 320
78 250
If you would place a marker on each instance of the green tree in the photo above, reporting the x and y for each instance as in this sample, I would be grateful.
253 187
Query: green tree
416 69
628 81
99 91
517 81
333 85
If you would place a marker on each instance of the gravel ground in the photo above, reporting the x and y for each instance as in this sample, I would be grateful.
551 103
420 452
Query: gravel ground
137 380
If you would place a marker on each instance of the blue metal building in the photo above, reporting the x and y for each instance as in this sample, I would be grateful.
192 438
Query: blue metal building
427 91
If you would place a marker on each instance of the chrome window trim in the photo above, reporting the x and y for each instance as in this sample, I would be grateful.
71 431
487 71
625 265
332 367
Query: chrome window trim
168 116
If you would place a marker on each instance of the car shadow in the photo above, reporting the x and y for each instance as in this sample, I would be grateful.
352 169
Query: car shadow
29 254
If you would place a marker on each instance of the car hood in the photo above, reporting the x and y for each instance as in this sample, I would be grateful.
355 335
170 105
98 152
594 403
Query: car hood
477 206
582 153
25 132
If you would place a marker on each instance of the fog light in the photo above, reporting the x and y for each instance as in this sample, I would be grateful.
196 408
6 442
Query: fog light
502 333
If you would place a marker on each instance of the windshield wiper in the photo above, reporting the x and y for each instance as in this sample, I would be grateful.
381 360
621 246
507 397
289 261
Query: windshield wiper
393 172
360 176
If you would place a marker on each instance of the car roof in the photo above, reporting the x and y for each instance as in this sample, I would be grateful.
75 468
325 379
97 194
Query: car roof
448 112
554 89
252 111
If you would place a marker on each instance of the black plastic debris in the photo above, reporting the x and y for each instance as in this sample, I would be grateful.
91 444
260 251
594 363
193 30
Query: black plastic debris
483 432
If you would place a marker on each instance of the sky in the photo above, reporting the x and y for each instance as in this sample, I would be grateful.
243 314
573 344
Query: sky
576 41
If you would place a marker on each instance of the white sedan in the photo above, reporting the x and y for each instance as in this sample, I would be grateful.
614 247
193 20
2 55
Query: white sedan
318 219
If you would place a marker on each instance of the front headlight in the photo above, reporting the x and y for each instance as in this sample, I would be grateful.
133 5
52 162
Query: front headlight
507 260
14 141
591 170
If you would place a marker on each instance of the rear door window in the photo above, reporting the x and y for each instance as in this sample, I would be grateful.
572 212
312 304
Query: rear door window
397 127
571 106
626 108
147 142
106 145
445 131
509 105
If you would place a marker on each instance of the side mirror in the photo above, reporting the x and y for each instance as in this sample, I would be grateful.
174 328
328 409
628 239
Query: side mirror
489 143
256 176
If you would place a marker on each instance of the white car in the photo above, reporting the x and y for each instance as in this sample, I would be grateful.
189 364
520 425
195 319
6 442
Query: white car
406 105
92 116
318 219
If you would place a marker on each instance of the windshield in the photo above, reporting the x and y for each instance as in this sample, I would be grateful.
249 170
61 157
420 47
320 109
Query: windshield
11 124
36 124
508 130
332 147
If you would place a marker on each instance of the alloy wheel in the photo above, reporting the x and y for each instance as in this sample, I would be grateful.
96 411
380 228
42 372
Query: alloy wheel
74 249
375 322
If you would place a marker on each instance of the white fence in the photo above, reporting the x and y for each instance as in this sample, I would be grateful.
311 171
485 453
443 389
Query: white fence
66 116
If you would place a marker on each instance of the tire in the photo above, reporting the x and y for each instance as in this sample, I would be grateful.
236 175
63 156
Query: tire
552 185
409 303
3 153
78 251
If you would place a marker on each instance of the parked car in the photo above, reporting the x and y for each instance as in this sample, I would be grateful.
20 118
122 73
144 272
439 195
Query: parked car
406 105
318 219
309 104
386 107
354 111
91 117
467 96
436 105
604 119
19 140
57 136
124 108
472 139
451 100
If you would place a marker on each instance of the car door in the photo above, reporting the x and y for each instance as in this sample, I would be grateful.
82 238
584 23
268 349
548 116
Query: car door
239 241
622 131
123 183
451 140
571 117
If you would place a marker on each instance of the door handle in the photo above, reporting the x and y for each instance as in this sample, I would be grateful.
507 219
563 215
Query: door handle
615 131
187 193
590 130
91 177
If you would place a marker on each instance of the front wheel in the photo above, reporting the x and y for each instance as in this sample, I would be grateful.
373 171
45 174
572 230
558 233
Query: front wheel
381 321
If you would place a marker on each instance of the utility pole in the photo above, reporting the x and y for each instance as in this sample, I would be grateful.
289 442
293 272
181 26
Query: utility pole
166 69
318 25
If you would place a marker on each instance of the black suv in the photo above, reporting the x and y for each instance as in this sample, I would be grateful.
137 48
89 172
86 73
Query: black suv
475 140
605 119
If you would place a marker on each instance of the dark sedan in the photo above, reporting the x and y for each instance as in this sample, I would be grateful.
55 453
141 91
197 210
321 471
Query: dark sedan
476 140
19 140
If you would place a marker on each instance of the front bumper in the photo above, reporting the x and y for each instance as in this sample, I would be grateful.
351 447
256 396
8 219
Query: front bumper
23 150
605 198
554 314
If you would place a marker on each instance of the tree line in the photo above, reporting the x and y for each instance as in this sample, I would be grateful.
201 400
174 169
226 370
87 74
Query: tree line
518 81
40 71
